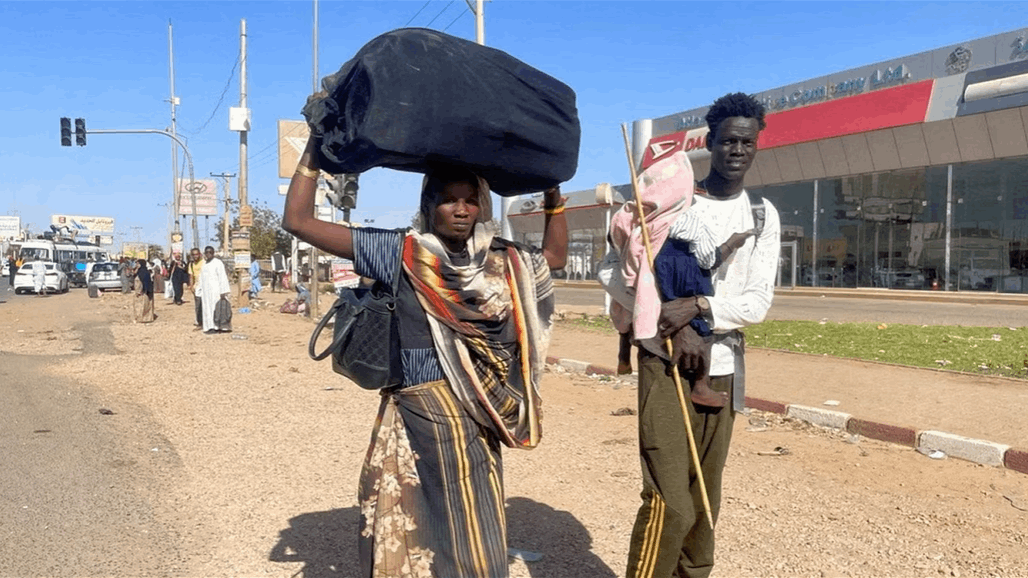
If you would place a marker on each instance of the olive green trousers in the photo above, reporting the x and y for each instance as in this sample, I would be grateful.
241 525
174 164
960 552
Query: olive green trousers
671 536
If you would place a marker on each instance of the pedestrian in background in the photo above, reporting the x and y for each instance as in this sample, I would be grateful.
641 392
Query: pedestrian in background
12 264
39 276
195 267
179 277
124 274
157 273
213 287
144 293
255 277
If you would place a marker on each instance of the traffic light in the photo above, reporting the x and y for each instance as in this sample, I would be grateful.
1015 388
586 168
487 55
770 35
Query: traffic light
344 191
80 132
65 131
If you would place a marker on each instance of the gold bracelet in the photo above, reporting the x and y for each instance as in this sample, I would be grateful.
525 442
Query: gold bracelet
306 172
554 210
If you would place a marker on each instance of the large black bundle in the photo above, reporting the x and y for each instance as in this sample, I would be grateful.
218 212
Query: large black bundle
413 97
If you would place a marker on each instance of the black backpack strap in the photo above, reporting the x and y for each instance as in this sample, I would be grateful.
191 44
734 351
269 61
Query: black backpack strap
759 211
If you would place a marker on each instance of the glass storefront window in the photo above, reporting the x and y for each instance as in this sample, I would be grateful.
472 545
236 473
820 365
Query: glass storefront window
990 226
795 208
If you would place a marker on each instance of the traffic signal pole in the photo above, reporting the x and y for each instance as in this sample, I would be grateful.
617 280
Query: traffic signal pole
189 162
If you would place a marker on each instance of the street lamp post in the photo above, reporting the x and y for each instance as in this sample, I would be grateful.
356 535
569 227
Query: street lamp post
189 160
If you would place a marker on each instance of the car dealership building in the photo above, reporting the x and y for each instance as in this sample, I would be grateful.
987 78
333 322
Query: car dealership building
910 173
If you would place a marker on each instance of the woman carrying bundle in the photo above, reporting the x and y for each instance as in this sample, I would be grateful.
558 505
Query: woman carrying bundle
475 313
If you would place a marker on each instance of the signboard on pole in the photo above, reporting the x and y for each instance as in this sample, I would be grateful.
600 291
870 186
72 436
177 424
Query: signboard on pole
242 260
245 216
134 250
79 225
343 274
292 139
10 227
206 191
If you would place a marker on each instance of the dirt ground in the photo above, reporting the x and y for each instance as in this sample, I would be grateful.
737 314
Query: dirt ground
255 464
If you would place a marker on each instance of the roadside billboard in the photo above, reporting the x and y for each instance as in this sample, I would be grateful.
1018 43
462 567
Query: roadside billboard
134 250
10 227
292 139
80 225
206 191
343 274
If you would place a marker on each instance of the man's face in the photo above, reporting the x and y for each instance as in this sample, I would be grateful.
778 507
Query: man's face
208 254
733 147
195 255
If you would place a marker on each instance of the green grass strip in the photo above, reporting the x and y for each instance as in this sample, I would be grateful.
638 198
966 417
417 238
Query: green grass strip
996 351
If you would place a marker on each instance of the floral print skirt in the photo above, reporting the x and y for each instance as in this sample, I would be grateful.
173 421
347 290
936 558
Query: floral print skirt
431 491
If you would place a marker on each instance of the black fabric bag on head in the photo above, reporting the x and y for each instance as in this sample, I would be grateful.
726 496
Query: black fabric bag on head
414 97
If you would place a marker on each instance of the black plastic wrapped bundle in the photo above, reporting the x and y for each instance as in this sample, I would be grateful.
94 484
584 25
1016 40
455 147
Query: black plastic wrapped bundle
414 97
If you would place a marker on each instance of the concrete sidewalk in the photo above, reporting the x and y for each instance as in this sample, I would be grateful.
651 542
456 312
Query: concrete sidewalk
966 416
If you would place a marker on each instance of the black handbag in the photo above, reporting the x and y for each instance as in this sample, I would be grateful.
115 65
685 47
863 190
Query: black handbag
366 336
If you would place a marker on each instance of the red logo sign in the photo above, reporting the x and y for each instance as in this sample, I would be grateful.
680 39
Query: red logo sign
664 146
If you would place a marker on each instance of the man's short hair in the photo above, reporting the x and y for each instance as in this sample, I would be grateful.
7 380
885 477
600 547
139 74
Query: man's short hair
734 104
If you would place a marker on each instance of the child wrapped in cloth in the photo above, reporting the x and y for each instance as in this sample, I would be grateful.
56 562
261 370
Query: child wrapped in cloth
685 256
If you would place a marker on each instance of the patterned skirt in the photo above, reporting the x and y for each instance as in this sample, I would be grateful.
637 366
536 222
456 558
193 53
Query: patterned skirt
431 491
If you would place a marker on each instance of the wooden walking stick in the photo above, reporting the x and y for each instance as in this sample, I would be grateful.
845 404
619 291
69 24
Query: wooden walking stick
667 341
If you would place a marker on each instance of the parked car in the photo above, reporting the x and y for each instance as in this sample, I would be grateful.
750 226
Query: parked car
104 276
56 280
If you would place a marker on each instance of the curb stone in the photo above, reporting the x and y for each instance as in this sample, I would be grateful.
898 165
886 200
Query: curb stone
818 416
972 450
965 448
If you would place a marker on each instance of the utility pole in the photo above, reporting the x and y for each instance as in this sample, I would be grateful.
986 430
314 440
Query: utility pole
245 213
226 180
173 101
315 292
505 202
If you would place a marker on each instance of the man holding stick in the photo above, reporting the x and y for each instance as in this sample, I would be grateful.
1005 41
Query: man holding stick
672 535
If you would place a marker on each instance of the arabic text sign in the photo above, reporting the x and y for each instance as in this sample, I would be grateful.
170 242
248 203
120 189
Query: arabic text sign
10 227
206 193
84 225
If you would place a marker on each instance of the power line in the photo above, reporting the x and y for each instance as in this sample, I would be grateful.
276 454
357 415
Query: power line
221 98
440 13
456 19
416 13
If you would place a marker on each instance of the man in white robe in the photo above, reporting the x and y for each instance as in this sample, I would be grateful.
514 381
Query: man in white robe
213 286
39 277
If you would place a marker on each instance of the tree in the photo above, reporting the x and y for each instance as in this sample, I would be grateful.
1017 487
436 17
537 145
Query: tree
266 233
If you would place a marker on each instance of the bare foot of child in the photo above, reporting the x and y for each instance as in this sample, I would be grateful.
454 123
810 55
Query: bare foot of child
625 354
702 394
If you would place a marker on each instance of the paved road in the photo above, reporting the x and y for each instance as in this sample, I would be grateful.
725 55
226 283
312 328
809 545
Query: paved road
845 309
75 490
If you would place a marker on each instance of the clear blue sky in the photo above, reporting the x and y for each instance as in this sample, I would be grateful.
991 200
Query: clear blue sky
108 62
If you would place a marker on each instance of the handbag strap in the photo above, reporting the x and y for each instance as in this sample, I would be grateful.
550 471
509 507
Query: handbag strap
337 340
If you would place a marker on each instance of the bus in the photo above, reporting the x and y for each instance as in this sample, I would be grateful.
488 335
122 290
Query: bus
74 258
32 249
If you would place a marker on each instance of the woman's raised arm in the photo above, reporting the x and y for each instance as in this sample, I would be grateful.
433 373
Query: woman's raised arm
298 217
555 232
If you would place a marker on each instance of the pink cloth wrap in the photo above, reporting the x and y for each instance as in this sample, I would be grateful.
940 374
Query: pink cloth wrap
666 189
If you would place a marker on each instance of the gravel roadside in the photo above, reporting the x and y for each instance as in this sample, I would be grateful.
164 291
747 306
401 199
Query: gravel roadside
267 448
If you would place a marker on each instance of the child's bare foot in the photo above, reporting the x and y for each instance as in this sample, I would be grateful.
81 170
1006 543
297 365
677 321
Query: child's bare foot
703 395
624 367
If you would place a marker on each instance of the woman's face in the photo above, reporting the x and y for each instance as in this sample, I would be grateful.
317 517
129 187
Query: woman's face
455 215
